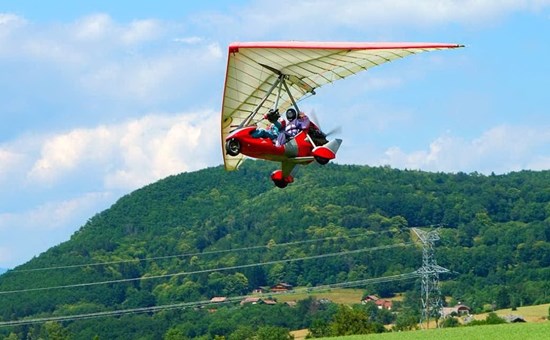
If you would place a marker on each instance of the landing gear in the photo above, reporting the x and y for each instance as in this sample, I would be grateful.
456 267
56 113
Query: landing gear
280 184
321 160
233 147
279 180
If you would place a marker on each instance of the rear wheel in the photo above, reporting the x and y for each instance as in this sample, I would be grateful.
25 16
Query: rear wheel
233 147
321 160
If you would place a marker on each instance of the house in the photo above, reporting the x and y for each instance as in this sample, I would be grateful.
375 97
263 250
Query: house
258 301
281 287
291 303
260 290
384 304
251 300
380 303
270 302
514 318
369 298
455 311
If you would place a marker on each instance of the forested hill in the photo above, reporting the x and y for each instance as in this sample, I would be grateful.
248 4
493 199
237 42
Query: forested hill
495 237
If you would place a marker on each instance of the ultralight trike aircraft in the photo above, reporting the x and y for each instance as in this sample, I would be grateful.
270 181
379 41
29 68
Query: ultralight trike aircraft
262 77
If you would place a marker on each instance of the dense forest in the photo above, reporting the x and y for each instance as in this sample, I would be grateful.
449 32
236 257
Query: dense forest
188 238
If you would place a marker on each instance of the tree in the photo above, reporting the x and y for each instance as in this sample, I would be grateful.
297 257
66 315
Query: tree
320 328
236 284
273 333
242 333
175 334
348 321
54 331
12 336
406 320
450 322
494 319
502 298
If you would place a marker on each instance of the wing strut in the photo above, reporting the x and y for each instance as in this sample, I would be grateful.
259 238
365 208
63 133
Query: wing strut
255 111
291 98
280 82
278 95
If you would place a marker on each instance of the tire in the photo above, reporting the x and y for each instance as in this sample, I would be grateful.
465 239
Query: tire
280 184
233 147
322 160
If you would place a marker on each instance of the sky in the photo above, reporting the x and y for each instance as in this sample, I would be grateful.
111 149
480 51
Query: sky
99 98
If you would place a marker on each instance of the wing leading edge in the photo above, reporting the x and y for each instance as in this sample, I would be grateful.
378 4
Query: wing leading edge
251 72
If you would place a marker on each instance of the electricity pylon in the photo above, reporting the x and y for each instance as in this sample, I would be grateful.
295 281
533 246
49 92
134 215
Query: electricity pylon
429 273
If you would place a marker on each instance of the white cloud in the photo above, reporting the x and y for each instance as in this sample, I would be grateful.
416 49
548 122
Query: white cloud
141 30
8 162
63 153
6 254
89 168
155 147
8 20
189 40
101 62
130 154
501 149
53 215
101 27
292 18
93 27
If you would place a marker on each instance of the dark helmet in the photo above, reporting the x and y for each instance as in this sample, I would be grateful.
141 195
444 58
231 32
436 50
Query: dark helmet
290 114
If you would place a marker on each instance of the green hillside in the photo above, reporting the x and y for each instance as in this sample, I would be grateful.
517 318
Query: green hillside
194 236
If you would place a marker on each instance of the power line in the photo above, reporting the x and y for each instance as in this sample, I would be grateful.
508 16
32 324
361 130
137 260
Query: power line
205 270
75 317
189 254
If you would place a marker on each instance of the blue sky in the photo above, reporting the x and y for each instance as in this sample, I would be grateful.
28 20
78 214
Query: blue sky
99 98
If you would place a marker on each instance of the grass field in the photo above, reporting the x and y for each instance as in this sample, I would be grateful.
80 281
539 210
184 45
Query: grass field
336 295
537 313
516 331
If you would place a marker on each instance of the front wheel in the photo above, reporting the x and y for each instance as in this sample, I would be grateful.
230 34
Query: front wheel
280 183
233 147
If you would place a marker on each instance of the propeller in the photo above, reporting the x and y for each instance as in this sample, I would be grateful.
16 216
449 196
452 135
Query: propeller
333 131
315 120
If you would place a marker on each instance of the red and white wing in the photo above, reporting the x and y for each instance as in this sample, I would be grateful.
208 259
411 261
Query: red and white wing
307 66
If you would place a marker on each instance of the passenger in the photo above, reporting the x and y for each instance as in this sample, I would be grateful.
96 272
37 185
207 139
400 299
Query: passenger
296 124
273 129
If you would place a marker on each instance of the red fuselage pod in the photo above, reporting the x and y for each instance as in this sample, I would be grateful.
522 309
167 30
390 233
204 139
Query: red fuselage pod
264 148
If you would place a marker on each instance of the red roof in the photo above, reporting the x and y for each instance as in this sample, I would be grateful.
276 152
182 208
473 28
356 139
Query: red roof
386 304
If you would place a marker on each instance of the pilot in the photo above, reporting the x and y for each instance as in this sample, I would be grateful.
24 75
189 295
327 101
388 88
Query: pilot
273 129
296 124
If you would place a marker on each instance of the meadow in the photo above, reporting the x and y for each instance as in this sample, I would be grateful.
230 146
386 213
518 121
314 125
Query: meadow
336 295
519 331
